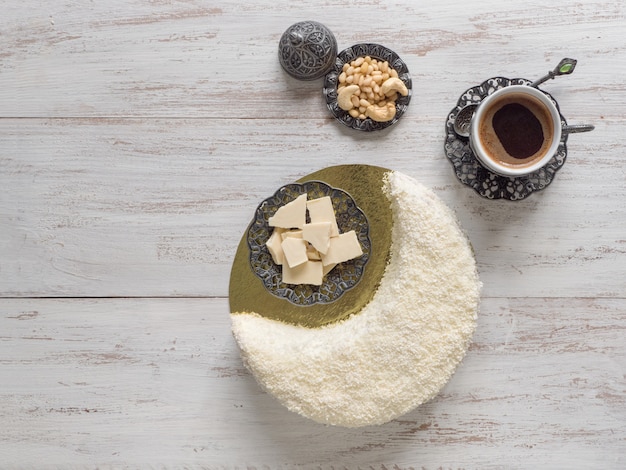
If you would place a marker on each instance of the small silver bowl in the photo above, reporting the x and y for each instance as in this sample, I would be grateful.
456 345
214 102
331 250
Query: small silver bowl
375 51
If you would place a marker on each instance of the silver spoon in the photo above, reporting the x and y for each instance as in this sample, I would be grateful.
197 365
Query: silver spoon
463 119
575 128
464 116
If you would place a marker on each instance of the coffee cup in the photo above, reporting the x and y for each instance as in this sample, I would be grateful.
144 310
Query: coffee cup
516 130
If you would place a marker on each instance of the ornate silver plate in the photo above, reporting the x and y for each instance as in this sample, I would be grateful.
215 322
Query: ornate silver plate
376 51
342 278
469 170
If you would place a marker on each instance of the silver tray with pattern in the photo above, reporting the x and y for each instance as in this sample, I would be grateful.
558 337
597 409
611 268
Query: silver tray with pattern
469 170
342 278
375 51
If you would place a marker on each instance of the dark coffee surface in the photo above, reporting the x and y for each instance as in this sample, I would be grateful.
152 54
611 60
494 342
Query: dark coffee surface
519 130
516 130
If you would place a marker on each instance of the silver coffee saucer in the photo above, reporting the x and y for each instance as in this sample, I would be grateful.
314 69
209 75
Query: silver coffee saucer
469 170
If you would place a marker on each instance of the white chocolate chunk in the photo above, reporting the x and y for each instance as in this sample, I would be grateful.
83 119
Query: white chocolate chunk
291 234
310 272
318 235
291 215
274 246
342 248
313 254
295 251
321 210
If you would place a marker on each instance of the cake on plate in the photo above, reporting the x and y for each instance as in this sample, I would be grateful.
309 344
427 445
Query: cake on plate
388 343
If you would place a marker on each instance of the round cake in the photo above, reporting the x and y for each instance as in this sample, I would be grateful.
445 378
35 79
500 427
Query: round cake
405 338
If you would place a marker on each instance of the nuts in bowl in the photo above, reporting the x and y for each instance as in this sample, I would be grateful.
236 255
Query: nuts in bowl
368 88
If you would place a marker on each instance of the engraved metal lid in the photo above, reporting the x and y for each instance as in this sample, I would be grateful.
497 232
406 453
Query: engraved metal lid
307 50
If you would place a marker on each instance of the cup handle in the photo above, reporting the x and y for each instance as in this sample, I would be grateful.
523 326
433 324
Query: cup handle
573 129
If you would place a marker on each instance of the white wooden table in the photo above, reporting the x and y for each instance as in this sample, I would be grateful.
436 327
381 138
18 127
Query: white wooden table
137 138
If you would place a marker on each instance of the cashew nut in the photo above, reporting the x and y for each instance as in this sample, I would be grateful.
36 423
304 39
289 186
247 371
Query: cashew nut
344 97
381 113
394 84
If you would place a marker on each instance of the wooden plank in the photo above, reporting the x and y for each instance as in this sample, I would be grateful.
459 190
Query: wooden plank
159 383
156 207
184 59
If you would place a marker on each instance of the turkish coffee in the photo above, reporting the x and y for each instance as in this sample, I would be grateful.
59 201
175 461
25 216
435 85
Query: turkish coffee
516 130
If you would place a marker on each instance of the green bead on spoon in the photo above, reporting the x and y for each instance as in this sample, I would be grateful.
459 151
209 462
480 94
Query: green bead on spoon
565 67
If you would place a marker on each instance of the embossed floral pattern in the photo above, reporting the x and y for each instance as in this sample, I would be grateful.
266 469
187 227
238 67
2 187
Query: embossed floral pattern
307 50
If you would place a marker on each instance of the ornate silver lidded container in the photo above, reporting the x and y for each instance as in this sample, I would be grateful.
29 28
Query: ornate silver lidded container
307 50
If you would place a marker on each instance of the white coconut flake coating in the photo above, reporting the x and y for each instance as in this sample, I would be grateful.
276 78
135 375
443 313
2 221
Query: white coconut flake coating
401 348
